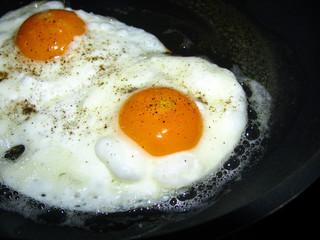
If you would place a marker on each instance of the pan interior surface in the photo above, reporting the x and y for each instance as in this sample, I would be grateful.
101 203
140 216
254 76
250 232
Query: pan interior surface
220 32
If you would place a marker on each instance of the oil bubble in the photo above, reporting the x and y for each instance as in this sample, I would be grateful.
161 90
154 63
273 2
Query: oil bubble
232 163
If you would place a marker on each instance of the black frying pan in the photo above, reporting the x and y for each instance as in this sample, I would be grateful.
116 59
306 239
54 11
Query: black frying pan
274 42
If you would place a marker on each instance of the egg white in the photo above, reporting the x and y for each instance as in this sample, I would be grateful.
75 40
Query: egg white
219 98
76 156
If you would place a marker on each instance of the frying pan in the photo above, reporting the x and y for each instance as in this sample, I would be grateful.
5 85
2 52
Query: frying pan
274 42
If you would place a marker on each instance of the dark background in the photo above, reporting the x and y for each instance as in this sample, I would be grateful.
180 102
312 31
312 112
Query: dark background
298 219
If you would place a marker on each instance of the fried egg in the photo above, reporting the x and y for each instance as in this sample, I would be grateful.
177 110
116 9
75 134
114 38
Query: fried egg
96 116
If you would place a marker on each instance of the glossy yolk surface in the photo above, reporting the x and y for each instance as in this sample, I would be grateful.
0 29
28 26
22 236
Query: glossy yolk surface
47 34
161 120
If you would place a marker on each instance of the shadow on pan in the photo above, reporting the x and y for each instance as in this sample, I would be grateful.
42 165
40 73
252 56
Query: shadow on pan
272 42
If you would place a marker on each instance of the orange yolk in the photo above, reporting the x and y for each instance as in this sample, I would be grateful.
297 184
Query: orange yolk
161 120
47 34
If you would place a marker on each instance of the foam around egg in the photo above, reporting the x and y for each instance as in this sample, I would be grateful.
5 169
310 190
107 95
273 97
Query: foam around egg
65 112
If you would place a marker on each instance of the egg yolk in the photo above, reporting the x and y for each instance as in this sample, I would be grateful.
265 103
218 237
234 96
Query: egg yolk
161 120
46 35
